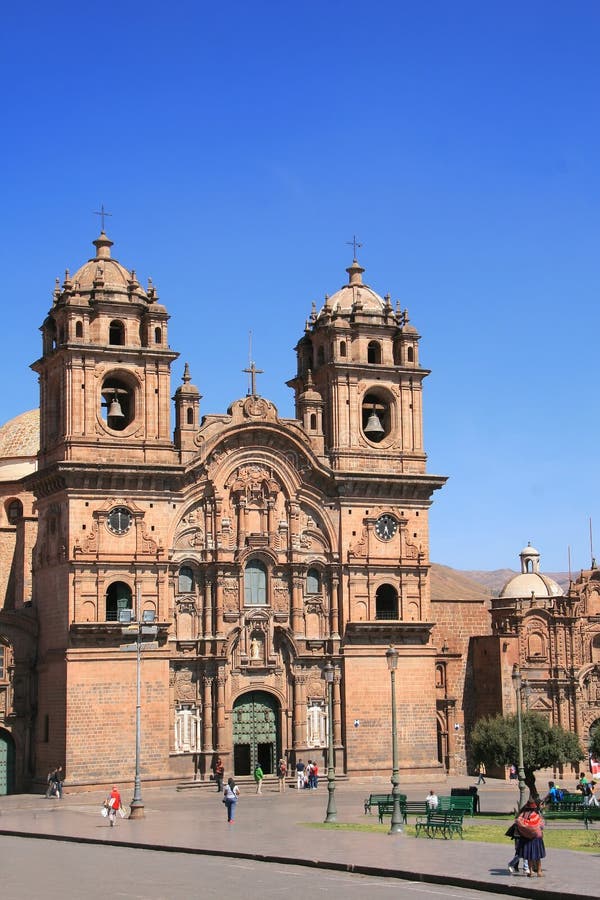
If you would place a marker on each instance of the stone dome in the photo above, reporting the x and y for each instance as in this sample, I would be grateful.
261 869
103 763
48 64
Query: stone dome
524 585
103 268
19 445
355 295
20 436
530 580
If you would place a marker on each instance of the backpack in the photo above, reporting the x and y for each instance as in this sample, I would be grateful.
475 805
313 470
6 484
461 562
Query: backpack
560 794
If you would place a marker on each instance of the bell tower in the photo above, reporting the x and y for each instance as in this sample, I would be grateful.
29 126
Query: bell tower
359 383
358 392
105 367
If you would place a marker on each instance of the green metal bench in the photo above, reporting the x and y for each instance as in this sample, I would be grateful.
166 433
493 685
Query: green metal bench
407 807
447 823
591 814
375 799
456 804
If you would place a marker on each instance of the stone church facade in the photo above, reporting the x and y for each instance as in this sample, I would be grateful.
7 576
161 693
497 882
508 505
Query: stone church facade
258 547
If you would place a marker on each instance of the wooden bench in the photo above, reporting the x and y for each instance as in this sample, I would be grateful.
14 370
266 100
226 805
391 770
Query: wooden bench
448 823
375 799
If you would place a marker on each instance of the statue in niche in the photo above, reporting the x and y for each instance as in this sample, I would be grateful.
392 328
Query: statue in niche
255 648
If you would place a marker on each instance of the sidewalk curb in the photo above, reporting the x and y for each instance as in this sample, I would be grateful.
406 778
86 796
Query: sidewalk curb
510 890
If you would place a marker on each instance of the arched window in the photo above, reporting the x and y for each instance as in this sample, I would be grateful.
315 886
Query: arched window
14 511
313 422
386 602
596 648
190 416
536 645
342 348
118 597
78 329
410 354
374 353
157 336
186 580
440 675
313 581
255 583
116 333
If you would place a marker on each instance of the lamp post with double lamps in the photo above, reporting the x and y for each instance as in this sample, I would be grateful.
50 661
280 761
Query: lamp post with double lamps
138 630
516 677
328 675
391 656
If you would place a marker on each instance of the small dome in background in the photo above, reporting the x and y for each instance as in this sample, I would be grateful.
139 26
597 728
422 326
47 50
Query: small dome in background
19 445
530 580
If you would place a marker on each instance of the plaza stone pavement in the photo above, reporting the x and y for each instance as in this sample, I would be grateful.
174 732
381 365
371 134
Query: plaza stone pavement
271 827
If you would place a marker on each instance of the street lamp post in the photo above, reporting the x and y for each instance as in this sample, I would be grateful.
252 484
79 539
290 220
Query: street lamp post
516 677
328 674
142 627
396 824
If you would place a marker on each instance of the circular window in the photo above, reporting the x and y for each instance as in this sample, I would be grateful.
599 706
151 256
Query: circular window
119 520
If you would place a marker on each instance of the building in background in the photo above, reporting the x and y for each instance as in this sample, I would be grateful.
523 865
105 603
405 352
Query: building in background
554 638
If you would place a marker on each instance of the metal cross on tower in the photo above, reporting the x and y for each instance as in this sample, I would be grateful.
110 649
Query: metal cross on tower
103 213
253 372
354 244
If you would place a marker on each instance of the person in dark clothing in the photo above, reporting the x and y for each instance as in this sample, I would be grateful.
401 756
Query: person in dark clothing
219 771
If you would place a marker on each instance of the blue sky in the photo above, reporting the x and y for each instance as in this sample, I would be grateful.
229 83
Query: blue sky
239 146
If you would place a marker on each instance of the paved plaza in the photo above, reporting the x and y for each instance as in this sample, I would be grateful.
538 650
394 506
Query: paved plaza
273 827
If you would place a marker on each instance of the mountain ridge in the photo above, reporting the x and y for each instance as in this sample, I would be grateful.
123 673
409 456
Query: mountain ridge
477 584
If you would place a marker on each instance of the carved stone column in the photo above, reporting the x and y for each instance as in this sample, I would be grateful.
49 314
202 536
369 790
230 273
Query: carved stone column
207 715
337 709
334 606
297 604
208 605
299 713
219 627
221 680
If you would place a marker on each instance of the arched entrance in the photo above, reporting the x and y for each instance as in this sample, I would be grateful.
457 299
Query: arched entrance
7 763
256 736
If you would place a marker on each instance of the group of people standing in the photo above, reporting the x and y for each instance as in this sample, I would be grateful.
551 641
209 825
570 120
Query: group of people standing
307 776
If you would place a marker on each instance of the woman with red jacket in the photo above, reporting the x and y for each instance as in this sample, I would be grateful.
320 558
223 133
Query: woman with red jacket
114 804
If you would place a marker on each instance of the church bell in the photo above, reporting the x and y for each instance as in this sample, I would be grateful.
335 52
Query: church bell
374 425
114 410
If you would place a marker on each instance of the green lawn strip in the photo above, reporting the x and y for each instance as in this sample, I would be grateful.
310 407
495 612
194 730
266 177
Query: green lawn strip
554 838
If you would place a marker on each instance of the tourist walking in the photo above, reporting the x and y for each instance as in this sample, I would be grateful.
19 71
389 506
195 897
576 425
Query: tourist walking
299 774
481 771
113 802
230 799
258 777
282 772
529 845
